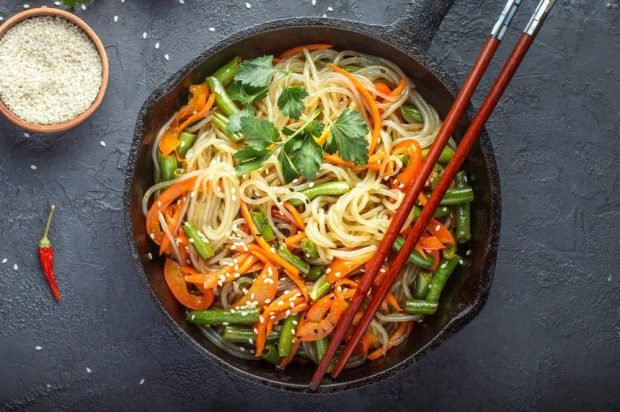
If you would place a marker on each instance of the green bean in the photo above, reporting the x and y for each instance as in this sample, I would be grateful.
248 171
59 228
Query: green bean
198 240
316 271
457 196
352 68
415 257
320 288
439 212
320 346
186 141
226 73
449 251
222 99
436 176
419 306
167 166
444 158
440 278
285 341
221 122
239 316
411 114
263 226
323 189
178 172
422 284
239 334
296 261
309 248
270 354
463 213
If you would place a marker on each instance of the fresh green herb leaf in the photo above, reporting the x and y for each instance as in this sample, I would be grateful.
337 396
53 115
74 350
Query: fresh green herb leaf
330 145
308 157
250 159
289 172
287 131
291 101
234 121
349 132
256 72
246 95
314 128
259 133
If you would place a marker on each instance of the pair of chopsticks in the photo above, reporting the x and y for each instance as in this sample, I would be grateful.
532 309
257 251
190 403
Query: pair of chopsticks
456 111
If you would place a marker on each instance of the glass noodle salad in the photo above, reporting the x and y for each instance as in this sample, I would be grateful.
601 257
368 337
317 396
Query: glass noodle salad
274 185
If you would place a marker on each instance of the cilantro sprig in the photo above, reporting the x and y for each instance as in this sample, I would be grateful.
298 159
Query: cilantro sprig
291 101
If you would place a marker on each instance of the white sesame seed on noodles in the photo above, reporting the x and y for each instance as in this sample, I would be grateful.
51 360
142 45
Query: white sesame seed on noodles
53 86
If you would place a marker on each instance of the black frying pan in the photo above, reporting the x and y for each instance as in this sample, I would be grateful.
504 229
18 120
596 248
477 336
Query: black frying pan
404 43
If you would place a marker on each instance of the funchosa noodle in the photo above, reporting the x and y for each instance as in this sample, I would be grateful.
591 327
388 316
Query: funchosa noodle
274 185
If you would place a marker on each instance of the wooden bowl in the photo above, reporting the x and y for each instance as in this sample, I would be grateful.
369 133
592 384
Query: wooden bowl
58 127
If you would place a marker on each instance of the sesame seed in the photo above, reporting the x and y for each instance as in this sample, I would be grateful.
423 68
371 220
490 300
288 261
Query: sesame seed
166 57
115 19
181 1
38 347
157 45
251 341
83 6
26 134
324 15
26 6
330 8
468 252
241 348
88 370
57 3
248 5
33 167
437 228
102 143
4 260
141 380
144 35
211 29
314 2
311 184
15 267
225 323
460 261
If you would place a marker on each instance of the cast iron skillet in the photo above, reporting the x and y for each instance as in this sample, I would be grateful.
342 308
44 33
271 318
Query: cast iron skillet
404 43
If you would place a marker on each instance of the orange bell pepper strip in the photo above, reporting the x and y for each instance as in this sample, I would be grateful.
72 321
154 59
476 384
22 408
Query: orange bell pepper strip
263 289
381 87
372 105
297 219
299 49
153 228
312 331
406 177
225 274
199 114
318 310
341 268
290 270
430 243
440 232
176 283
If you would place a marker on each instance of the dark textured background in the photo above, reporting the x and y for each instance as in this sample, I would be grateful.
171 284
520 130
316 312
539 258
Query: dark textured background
548 338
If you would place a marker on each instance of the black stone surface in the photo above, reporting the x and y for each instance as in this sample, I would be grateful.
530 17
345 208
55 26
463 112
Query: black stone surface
548 337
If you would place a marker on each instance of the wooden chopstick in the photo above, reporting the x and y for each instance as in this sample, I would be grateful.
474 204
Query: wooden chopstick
413 191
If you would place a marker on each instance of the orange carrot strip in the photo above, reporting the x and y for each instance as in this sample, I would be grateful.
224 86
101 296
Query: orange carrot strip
312 331
406 177
299 49
391 299
299 221
290 270
263 288
374 111
165 243
200 114
211 279
399 89
295 239
340 268
430 243
403 328
374 161
383 88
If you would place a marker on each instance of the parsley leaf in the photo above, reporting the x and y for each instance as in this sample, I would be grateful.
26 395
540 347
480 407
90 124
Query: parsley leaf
245 94
314 128
308 158
250 159
291 101
259 133
256 72
349 133
234 121
289 172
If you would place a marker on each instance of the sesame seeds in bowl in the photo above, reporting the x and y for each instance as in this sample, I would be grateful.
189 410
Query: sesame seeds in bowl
53 70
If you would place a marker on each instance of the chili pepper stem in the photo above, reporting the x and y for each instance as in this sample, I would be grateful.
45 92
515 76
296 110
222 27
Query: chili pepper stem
45 242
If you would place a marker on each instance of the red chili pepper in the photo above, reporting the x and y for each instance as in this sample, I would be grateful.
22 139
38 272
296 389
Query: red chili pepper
46 256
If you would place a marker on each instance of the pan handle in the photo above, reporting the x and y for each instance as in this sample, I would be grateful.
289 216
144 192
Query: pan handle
419 22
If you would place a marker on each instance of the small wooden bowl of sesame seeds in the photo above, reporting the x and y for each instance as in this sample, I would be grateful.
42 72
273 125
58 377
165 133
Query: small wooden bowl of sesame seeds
53 70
